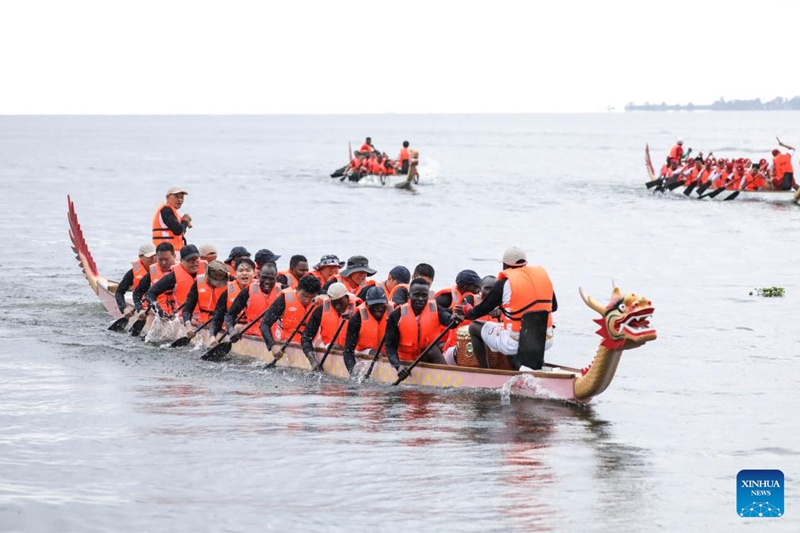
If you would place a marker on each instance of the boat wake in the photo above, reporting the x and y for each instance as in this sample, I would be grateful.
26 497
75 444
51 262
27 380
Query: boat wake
525 385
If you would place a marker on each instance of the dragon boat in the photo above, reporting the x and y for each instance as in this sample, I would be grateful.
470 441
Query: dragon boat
711 193
624 325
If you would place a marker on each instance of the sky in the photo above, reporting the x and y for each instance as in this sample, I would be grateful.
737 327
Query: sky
343 56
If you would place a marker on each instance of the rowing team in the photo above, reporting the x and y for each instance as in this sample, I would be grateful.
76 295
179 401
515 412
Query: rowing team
734 174
368 161
400 314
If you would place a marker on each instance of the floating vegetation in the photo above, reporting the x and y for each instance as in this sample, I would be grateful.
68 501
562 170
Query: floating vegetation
768 292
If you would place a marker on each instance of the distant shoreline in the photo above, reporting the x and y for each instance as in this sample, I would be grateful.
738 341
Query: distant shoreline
776 104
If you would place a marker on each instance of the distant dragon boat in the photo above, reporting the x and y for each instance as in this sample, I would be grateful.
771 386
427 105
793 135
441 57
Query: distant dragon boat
624 325
711 193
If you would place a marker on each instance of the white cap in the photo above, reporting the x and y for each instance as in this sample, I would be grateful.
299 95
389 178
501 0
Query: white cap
207 248
515 257
147 250
337 290
176 189
680 141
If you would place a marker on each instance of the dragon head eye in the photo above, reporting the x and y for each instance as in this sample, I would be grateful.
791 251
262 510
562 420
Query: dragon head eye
621 307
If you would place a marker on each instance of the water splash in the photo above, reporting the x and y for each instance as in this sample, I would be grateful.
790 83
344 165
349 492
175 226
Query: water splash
525 385
165 330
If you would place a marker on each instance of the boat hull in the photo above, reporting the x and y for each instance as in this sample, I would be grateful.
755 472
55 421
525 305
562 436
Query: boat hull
556 382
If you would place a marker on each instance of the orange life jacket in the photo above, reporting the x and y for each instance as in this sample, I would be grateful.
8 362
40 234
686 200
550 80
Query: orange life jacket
184 282
365 148
161 233
207 297
531 290
330 321
292 315
721 179
166 299
372 331
417 332
452 337
404 155
257 303
291 281
676 153
783 164
394 290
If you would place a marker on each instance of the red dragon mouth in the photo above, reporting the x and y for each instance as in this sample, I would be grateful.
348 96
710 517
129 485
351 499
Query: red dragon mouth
636 324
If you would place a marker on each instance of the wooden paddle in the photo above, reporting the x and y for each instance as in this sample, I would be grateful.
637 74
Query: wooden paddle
342 322
120 324
419 358
183 341
276 358
703 188
784 145
375 359
221 350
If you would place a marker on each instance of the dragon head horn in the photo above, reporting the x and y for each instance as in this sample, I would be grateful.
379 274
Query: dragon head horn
591 302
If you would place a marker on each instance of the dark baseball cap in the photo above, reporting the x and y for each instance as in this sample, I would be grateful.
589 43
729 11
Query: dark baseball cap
266 256
400 274
468 277
189 251
237 251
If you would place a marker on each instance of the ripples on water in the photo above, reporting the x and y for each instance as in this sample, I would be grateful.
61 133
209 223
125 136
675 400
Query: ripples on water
99 432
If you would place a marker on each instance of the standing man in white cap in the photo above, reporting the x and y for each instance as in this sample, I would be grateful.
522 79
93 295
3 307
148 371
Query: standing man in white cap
520 289
208 252
676 154
131 279
168 224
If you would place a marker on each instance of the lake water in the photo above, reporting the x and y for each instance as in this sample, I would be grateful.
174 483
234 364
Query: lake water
99 432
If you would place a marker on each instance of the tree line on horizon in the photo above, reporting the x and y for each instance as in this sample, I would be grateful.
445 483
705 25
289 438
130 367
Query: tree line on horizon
776 104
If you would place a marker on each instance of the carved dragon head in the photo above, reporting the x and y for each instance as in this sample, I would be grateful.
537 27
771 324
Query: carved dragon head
625 321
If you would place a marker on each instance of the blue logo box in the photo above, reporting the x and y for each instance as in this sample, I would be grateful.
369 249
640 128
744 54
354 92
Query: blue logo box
759 494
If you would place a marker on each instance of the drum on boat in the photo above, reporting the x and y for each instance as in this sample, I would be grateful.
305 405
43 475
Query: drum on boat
465 356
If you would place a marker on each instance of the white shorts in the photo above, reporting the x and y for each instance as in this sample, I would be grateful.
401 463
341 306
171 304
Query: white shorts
499 339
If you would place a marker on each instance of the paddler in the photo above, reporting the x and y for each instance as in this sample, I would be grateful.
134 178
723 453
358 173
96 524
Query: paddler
130 281
165 260
396 282
237 252
422 270
413 326
208 252
366 327
245 269
354 276
204 294
327 268
253 302
289 308
325 320
264 256
178 281
468 284
298 267
519 289
168 224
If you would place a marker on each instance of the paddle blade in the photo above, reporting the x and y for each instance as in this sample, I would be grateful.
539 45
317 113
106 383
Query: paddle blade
716 192
183 341
732 196
651 184
675 185
119 324
703 188
137 327
217 352
690 188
